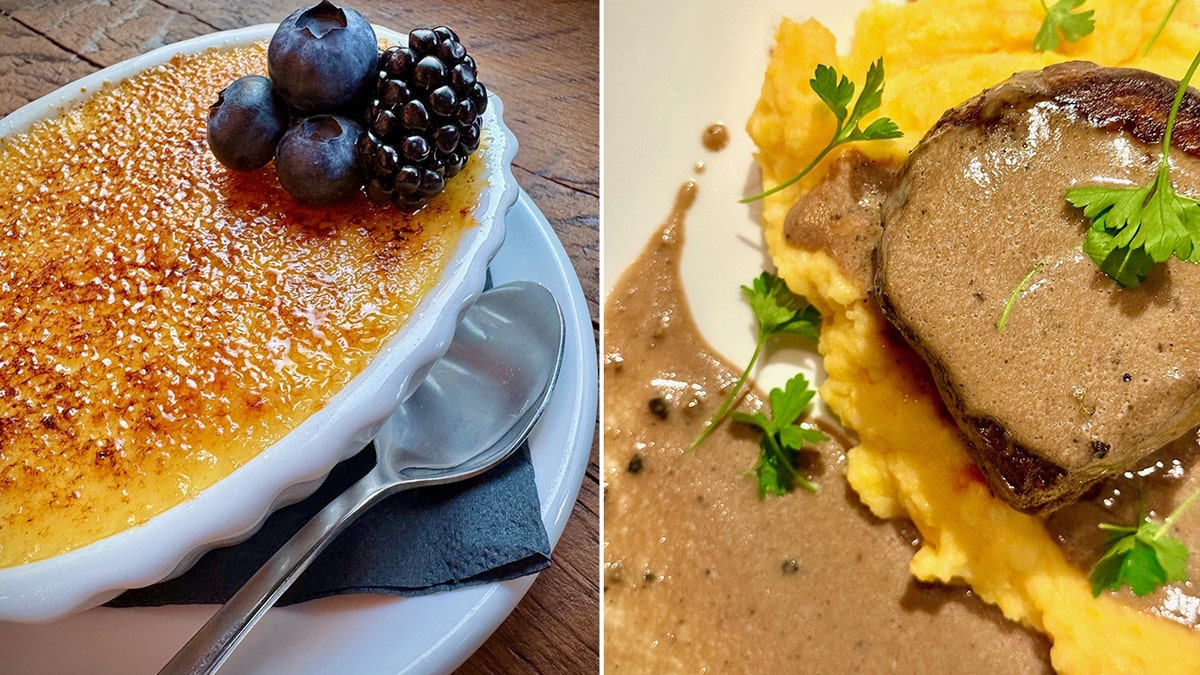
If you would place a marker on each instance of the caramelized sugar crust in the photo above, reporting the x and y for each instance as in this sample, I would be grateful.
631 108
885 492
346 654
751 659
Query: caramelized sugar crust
164 319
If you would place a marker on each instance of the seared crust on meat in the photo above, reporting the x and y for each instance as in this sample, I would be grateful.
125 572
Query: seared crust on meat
1112 99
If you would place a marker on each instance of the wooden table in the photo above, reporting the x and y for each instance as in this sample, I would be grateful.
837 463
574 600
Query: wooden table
542 58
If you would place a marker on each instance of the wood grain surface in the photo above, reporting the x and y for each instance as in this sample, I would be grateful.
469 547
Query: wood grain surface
542 58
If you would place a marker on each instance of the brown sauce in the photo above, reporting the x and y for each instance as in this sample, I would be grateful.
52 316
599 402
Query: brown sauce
716 137
1164 480
841 215
700 575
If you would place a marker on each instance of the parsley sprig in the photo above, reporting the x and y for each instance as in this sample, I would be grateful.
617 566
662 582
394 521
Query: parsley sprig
778 312
1161 26
1061 18
782 438
1135 227
837 94
1142 557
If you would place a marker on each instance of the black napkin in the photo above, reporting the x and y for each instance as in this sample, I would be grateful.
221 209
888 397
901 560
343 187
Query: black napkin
478 531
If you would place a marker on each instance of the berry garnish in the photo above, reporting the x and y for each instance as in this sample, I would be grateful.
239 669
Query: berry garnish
425 118
245 123
425 114
323 57
315 161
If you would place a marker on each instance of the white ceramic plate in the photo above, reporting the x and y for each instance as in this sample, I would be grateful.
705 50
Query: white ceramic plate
364 633
701 62
293 467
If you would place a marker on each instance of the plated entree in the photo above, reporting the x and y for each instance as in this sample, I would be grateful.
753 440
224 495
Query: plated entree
1008 321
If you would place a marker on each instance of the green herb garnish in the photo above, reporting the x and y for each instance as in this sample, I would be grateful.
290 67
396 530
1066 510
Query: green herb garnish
1143 557
778 312
837 95
1061 18
782 438
1135 227
1161 26
1016 293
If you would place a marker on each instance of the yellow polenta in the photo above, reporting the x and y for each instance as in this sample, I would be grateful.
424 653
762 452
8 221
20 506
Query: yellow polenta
910 461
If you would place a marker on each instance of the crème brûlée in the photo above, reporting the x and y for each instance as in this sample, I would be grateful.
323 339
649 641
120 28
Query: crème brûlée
164 319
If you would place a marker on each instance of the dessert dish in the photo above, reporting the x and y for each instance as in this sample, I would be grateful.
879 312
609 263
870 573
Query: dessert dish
353 382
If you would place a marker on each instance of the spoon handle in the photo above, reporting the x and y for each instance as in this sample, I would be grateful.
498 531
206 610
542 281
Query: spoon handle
210 646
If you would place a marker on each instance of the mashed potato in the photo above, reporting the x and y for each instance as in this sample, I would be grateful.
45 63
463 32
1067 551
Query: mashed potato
910 462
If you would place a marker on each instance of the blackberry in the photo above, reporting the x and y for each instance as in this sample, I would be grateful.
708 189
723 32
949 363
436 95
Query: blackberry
424 120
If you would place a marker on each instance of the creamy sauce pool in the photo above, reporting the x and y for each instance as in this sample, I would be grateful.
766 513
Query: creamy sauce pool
701 575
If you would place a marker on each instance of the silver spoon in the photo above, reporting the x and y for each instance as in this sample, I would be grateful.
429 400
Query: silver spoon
478 404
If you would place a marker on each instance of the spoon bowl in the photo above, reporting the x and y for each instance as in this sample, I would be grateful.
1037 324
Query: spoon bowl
438 435
476 407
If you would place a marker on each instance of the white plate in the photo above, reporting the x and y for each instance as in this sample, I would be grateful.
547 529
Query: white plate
291 468
363 633
700 62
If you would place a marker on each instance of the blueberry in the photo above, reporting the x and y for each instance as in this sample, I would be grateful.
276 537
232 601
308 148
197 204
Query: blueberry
323 57
245 123
316 162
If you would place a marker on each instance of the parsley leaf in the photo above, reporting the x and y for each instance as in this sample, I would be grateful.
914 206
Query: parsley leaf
1060 17
837 94
1139 558
783 439
1143 557
1135 227
778 312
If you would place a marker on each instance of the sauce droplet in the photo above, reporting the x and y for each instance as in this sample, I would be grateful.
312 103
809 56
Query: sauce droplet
716 137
